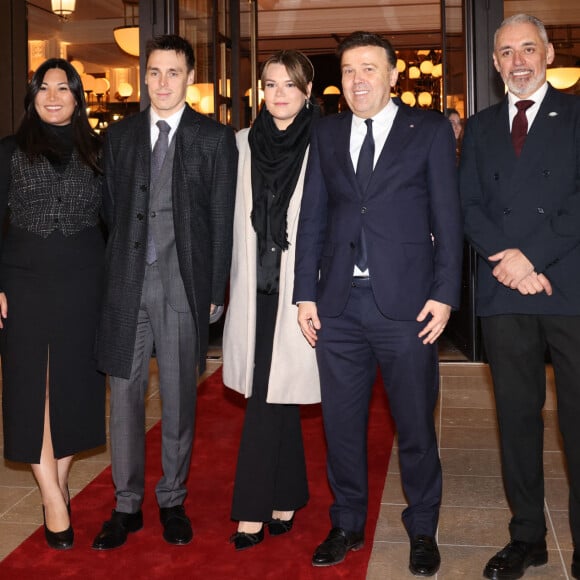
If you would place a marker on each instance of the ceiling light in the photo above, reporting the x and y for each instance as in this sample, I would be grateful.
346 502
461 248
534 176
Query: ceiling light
127 36
63 8
563 77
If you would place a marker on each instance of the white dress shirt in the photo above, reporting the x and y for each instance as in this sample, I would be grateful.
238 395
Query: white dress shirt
382 123
173 122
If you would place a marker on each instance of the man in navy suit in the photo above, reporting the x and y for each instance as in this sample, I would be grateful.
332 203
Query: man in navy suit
378 266
520 194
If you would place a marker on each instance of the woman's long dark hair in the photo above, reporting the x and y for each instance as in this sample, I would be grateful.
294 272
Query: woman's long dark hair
31 135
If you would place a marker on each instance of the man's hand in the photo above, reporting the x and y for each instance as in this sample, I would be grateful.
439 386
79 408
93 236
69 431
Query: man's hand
308 321
513 267
534 284
440 314
3 308
215 313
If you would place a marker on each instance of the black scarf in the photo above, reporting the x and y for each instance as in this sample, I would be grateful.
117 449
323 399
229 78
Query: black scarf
276 163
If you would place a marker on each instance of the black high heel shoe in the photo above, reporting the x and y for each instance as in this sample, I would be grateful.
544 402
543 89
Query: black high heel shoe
58 540
278 527
243 540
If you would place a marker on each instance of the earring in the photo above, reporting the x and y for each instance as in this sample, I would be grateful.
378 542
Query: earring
307 103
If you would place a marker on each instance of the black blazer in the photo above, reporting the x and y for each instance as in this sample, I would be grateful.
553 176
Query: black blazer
410 210
531 203
204 174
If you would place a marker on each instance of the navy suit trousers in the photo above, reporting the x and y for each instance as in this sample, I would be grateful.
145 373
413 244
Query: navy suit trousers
349 349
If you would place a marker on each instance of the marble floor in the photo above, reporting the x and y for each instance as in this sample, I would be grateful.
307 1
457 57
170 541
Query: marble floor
474 514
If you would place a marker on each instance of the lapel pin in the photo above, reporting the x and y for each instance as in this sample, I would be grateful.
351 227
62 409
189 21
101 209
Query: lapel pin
552 114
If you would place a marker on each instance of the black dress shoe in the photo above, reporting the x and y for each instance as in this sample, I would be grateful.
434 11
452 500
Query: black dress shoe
576 564
277 527
338 542
176 525
424 559
115 531
58 540
511 562
244 540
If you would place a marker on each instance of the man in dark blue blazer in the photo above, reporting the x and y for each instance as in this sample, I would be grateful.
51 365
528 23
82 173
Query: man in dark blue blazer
521 207
378 264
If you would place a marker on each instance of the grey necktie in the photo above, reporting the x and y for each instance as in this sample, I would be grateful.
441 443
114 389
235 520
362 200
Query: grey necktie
157 158
364 170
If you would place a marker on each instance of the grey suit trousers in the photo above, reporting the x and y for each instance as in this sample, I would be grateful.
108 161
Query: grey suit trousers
173 334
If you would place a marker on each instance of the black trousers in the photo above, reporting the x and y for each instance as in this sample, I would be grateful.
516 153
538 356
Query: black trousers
271 470
516 347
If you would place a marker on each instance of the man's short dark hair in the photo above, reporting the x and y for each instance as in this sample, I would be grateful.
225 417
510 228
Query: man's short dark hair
171 42
362 38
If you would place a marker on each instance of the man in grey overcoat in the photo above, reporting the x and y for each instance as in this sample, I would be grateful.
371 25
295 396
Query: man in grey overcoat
169 199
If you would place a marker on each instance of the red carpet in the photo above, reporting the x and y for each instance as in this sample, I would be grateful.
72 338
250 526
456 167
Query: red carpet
209 556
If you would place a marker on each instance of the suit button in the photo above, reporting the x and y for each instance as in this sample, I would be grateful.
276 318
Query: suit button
137 245
140 216
363 209
143 187
352 245
507 211
546 173
152 214
496 176
540 210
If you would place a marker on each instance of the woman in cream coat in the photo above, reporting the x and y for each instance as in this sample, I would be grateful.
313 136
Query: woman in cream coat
265 355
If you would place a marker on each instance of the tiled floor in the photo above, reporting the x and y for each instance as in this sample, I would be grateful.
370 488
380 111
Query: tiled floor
474 514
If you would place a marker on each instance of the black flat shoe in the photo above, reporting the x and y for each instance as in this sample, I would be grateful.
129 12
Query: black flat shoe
243 540
58 540
424 559
512 562
277 527
115 531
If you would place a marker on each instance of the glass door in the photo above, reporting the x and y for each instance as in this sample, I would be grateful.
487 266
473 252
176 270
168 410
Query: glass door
208 25
460 341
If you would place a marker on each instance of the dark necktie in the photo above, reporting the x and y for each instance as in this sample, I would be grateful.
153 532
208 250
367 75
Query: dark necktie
520 125
364 170
160 149
157 158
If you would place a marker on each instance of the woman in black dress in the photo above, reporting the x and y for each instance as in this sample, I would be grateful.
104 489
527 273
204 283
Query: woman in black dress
51 266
